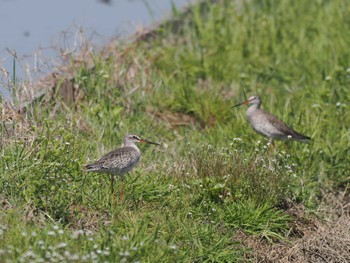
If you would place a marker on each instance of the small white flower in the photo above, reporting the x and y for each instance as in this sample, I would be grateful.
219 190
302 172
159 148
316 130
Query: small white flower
77 233
41 242
61 245
74 257
29 254
124 253
173 247
88 232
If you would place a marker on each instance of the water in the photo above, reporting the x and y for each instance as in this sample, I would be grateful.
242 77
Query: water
35 30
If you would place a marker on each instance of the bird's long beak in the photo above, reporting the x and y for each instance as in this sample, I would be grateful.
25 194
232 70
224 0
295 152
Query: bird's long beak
146 141
242 103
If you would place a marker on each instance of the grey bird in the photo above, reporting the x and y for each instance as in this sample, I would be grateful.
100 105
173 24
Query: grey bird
268 124
119 162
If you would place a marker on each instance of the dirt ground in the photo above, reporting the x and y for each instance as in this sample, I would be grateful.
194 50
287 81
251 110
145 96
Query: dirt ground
321 237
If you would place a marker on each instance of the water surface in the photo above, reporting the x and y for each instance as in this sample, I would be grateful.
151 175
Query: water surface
34 30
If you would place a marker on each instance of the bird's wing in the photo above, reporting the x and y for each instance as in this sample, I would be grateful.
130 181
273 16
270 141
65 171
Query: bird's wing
284 128
276 122
112 159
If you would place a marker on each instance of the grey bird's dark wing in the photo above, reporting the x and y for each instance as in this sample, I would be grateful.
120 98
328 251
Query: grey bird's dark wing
284 128
117 159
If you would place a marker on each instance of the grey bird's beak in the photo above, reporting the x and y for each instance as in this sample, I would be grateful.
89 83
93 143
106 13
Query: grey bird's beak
242 103
146 141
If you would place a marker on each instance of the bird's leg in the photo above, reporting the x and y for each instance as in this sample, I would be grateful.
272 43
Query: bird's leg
271 150
121 190
112 189
272 146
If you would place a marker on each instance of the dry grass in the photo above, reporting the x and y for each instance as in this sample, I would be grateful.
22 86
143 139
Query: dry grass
312 240
15 125
174 119
84 218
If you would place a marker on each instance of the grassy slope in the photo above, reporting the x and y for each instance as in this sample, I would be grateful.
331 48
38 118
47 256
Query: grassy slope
186 200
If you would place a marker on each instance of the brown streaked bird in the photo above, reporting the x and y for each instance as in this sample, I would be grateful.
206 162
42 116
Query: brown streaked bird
268 124
119 162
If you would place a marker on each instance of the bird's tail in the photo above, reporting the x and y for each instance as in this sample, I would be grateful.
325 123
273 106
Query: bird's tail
301 137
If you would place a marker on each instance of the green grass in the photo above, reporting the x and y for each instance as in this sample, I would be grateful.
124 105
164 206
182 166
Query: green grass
187 200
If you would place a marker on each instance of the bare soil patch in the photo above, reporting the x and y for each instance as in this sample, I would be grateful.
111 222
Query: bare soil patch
312 239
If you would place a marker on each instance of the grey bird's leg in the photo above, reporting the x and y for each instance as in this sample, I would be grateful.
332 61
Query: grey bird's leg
121 190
